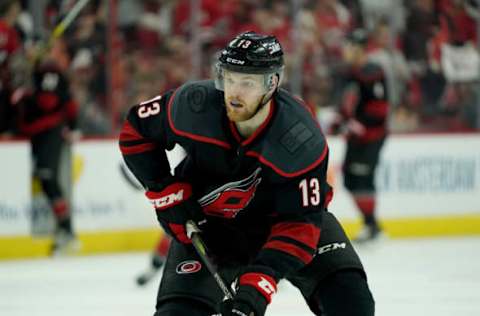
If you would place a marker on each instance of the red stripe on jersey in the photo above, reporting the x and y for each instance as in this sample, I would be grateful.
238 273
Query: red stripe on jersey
200 138
129 133
47 101
307 234
310 111
262 127
71 109
377 108
42 124
263 160
257 132
373 133
291 249
137 149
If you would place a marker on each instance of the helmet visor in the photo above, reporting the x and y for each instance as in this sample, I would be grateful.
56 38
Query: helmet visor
220 69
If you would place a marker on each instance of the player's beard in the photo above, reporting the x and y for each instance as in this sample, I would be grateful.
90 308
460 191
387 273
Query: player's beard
239 113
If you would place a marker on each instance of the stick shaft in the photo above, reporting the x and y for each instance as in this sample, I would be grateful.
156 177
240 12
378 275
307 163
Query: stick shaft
199 245
59 30
68 19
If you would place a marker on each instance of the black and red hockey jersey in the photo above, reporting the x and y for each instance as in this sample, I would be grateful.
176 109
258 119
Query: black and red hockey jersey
49 103
366 101
263 196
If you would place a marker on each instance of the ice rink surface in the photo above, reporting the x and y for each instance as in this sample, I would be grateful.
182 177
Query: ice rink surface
410 277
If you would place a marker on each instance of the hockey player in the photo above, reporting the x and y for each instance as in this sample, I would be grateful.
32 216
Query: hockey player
48 117
363 114
254 180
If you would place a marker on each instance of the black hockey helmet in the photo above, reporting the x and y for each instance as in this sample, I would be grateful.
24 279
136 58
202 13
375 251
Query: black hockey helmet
251 53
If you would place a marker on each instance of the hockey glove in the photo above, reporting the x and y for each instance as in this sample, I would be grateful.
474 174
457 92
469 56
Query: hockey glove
255 290
355 128
175 206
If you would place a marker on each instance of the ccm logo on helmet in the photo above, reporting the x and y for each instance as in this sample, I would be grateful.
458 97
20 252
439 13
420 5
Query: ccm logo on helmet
167 200
235 61
189 266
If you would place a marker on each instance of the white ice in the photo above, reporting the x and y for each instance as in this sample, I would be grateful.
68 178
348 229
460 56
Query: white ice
414 277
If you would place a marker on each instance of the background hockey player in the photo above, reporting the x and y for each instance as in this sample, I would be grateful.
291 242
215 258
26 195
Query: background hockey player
363 113
254 180
47 116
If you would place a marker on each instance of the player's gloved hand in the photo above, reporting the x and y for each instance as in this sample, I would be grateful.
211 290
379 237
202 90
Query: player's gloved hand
175 206
255 289
355 128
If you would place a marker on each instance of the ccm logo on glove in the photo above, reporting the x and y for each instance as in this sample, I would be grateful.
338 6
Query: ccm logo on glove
170 196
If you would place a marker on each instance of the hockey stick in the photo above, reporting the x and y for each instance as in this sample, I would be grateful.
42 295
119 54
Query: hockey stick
61 27
193 232
68 19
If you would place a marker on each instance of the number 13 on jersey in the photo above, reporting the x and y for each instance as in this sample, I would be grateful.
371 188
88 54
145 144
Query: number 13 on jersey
150 107
310 189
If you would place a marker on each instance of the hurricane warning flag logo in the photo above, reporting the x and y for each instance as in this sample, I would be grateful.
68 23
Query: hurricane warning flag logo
229 199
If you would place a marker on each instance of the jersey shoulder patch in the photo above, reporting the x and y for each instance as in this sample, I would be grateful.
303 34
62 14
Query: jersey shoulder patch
294 143
195 111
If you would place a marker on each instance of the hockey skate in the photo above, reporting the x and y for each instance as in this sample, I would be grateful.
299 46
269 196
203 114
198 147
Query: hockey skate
156 264
65 243
369 234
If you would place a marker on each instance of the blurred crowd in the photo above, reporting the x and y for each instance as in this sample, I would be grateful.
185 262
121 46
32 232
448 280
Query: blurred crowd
118 53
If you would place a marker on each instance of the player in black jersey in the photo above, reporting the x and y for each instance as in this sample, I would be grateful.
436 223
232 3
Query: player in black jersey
363 113
47 115
254 180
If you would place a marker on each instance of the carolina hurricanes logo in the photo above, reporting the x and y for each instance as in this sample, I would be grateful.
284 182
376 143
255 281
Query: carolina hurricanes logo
232 197
189 266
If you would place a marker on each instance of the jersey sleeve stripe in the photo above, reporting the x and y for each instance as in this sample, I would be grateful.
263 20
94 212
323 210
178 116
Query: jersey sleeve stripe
305 233
199 138
137 149
263 160
132 142
41 124
294 242
71 109
290 249
129 133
